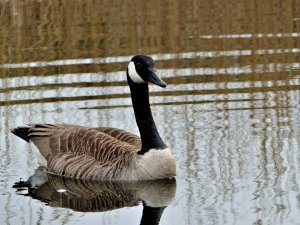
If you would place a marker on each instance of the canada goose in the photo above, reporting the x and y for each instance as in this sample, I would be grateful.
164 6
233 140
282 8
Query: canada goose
108 153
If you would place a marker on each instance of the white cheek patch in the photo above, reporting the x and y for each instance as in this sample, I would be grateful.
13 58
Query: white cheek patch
134 76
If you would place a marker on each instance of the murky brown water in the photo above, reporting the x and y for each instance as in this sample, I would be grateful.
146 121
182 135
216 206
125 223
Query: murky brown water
230 111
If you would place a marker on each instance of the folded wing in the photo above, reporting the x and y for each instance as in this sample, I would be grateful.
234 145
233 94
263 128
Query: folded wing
92 153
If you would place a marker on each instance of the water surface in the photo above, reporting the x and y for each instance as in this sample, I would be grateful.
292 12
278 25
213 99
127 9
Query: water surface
230 112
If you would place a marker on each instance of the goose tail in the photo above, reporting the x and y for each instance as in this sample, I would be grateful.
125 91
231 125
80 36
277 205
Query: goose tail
22 132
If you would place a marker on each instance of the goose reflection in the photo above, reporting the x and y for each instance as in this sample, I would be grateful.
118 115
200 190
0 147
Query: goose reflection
100 196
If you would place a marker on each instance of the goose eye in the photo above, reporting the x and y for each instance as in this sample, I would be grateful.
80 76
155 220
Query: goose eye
139 65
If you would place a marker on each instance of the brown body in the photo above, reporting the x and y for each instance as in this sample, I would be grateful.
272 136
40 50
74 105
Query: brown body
98 153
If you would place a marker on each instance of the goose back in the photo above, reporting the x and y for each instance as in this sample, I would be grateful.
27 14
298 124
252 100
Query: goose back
91 153
96 153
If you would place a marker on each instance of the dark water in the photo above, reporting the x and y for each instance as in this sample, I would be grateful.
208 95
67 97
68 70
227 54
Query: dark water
230 112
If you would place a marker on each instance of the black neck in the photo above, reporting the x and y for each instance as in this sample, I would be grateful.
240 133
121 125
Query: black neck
148 131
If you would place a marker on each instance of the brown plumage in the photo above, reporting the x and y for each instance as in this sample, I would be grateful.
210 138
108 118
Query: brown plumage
108 153
95 153
77 151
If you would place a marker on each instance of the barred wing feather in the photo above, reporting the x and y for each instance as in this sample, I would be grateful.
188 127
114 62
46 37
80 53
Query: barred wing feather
92 153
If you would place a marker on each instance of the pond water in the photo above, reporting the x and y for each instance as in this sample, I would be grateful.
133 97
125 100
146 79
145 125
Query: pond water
230 112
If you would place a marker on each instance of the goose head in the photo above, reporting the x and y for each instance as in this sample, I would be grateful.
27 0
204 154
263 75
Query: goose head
141 69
